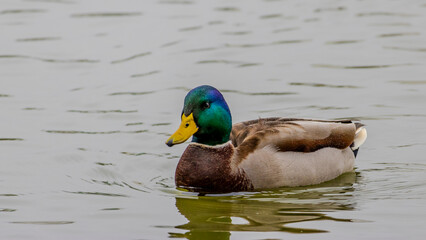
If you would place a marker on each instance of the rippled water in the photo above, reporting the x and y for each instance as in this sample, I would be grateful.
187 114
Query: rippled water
90 90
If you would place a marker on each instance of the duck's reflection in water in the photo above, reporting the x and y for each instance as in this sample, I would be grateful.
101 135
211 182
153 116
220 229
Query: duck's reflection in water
215 217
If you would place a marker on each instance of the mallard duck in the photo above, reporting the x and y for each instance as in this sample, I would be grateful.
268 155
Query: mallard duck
258 154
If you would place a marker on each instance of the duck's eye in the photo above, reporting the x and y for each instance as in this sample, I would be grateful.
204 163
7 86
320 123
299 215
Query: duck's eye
205 105
187 125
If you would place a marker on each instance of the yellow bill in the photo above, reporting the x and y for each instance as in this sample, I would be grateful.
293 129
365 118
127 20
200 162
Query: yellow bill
186 129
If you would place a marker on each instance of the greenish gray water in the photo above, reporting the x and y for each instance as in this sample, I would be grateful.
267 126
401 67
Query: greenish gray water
90 90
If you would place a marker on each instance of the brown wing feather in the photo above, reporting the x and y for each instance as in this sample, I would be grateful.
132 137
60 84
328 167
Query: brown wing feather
288 134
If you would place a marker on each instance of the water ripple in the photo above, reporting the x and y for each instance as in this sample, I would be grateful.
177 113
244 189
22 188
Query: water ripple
106 14
237 33
21 11
170 44
219 61
160 124
142 153
407 49
52 1
183 2
103 164
7 210
131 57
305 107
359 66
410 82
251 45
249 65
405 115
269 16
344 42
50 60
386 35
37 39
144 74
131 93
193 28
11 139
32 109
326 107
217 22
99 194
258 93
201 49
361 118
103 111
227 9
94 132
135 188
392 14
111 209
392 24
43 222
245 45
79 132
237 63
135 123
322 85
8 195
285 29
108 183
289 41
408 145
335 9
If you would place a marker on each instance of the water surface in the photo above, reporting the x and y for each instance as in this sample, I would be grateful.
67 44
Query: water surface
90 91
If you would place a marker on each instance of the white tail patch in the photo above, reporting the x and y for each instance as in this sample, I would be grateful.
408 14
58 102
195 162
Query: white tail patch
360 137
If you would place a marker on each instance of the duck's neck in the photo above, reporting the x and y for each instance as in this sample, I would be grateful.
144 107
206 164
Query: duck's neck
210 139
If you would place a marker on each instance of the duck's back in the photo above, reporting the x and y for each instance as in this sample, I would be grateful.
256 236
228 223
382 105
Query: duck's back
278 152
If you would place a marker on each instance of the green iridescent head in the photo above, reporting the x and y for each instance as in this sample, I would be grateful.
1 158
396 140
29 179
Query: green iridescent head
206 116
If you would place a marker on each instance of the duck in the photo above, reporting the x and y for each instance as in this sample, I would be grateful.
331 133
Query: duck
265 153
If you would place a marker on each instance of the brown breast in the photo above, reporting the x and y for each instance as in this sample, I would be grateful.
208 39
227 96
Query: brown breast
209 169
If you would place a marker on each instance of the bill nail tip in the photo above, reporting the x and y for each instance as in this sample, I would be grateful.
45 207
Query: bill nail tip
170 143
